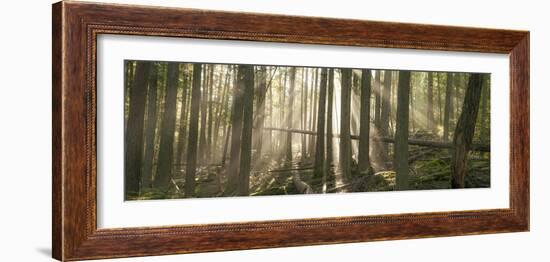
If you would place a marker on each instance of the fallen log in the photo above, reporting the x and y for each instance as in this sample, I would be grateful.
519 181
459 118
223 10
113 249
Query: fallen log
436 144
291 169
412 141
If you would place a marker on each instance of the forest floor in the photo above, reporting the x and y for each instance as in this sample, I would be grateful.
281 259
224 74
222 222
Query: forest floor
429 169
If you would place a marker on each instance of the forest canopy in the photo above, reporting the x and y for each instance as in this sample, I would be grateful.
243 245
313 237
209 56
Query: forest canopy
216 130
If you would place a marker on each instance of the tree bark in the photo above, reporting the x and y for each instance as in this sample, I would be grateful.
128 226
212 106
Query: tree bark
329 159
209 140
401 147
183 121
354 113
288 141
271 96
393 98
430 104
150 126
167 131
222 108
318 172
364 123
304 111
484 117
385 112
236 132
412 117
260 111
246 139
129 80
282 105
225 145
134 136
457 84
203 116
464 131
448 106
314 103
345 139
439 99
191 167
377 99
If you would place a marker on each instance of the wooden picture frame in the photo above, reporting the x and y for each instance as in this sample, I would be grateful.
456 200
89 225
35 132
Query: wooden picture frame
76 26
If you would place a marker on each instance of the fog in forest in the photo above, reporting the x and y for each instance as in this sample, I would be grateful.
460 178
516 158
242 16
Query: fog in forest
217 130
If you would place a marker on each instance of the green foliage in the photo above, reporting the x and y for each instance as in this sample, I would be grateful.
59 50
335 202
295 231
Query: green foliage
150 194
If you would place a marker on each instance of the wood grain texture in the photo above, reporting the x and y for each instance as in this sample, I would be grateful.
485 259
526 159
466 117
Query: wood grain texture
57 195
76 26
519 129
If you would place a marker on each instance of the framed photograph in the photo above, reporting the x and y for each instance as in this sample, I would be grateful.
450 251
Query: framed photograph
181 130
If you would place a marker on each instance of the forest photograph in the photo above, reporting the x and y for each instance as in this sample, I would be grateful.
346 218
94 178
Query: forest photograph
200 130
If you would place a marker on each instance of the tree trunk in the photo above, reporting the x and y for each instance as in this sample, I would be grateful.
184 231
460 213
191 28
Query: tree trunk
401 147
439 99
210 112
304 111
430 102
222 110
314 102
282 105
385 112
271 96
364 123
464 131
288 140
484 117
457 84
204 110
150 126
393 98
331 182
129 81
377 99
355 114
260 112
236 132
191 166
161 101
225 145
246 139
183 121
345 139
412 117
318 172
448 106
134 138
166 148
